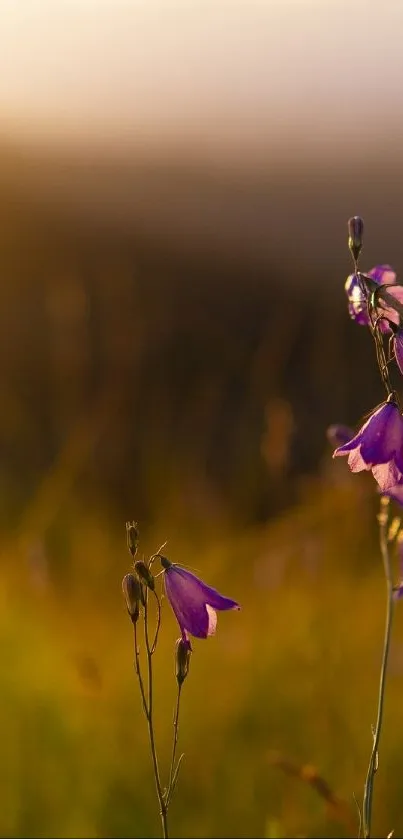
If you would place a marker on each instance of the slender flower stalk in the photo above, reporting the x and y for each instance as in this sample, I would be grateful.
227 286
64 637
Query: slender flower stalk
383 519
136 589
138 672
150 649
173 771
182 660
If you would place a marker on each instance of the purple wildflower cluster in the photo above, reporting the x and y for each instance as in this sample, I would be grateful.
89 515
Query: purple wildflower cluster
375 300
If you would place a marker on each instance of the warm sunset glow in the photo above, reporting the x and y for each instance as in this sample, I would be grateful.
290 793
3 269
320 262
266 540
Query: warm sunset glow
214 71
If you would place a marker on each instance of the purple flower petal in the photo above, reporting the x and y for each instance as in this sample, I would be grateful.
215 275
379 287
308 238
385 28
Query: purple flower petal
378 445
383 439
384 309
356 462
380 438
193 602
374 421
396 291
387 475
209 594
382 274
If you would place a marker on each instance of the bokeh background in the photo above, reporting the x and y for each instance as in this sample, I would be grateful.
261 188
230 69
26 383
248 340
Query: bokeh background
175 183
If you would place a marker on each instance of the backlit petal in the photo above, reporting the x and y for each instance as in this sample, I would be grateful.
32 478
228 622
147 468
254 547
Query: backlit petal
193 602
387 475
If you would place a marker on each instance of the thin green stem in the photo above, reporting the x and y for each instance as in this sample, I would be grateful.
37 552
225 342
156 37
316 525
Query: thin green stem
138 671
373 762
160 795
172 773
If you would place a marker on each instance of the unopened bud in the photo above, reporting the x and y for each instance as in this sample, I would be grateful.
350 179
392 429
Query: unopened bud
145 574
183 652
131 587
355 235
132 536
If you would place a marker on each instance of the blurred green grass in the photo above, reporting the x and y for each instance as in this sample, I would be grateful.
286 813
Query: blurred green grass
296 671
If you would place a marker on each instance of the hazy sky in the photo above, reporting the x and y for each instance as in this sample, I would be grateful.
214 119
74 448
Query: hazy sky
215 73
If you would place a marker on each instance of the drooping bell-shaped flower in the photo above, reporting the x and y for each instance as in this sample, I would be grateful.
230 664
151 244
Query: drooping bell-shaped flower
378 446
193 602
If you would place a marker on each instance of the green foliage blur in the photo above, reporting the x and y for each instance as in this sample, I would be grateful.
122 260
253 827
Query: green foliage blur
142 380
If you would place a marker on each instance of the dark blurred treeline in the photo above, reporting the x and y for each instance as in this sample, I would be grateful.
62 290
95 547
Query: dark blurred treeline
153 375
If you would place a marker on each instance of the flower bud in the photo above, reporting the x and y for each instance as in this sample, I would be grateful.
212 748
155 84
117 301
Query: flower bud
132 536
355 235
131 587
183 652
145 574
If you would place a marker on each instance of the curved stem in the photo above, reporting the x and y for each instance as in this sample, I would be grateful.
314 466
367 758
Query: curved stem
373 762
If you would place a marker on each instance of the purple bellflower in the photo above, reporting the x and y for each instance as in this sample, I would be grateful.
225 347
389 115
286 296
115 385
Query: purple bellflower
193 602
382 275
378 446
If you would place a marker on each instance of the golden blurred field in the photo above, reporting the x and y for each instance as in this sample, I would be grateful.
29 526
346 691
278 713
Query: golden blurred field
294 672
